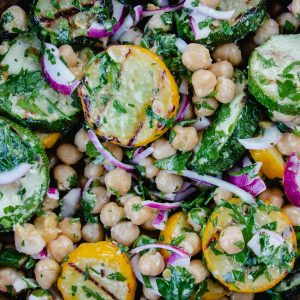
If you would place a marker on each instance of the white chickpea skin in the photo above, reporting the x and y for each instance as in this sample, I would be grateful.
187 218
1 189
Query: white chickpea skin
92 233
288 144
60 247
81 139
272 196
68 54
204 82
186 138
242 296
151 263
191 243
94 170
288 22
148 225
222 69
156 22
71 228
111 214
150 170
198 270
135 212
46 272
149 294
102 198
265 31
293 213
7 277
229 238
14 18
295 8
196 57
63 175
132 233
221 195
230 52
168 183
68 154
162 149
225 90
205 107
118 181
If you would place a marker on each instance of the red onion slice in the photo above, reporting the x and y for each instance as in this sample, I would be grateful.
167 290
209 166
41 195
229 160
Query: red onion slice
88 184
184 106
70 203
141 155
256 187
138 14
161 206
127 24
53 193
177 260
161 219
209 12
13 175
270 138
180 44
149 13
41 255
195 19
201 123
107 155
60 78
246 197
291 179
171 248
97 30
184 87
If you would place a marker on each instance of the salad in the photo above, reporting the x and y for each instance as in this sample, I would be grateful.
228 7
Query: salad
149 150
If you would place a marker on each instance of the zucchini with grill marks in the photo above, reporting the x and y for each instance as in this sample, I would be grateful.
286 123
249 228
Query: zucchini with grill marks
248 15
219 149
20 199
25 95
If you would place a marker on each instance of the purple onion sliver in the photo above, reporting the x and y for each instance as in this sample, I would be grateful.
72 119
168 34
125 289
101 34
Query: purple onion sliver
149 13
177 260
256 187
160 221
201 123
138 14
183 195
160 246
161 206
184 87
88 184
41 255
53 193
184 106
142 155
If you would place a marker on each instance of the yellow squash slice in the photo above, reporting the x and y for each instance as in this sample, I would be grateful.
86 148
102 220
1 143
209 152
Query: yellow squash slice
129 96
97 271
244 271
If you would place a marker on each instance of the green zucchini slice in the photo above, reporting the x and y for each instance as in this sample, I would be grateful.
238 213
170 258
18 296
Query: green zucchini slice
20 199
25 95
219 149
248 15
274 74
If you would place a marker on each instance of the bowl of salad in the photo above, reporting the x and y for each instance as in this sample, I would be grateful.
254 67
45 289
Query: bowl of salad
149 149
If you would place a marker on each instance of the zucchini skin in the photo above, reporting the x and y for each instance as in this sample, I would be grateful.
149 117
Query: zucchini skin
44 161
249 22
232 151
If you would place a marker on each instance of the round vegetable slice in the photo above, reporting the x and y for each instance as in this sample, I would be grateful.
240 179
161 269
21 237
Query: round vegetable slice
266 231
21 197
98 270
273 74
129 96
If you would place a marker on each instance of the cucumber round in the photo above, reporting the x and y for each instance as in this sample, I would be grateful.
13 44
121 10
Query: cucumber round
274 74
26 97
21 199
220 149
249 14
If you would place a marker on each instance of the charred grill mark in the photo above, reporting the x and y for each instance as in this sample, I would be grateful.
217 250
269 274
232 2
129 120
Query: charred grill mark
128 53
95 282
133 139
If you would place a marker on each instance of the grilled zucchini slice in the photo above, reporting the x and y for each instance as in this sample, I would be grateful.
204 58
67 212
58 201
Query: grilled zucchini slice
19 200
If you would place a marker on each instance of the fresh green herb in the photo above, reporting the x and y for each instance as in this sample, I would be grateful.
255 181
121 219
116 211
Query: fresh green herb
240 244
51 56
225 27
119 107
215 251
137 207
10 257
251 171
172 135
91 294
205 23
270 226
288 88
116 276
7 17
153 116
86 274
73 180
201 290
215 222
288 27
123 249
89 200
167 18
74 290
268 63
176 162
93 154
234 275
177 240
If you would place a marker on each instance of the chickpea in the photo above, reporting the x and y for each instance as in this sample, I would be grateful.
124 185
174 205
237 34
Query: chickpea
230 52
205 107
196 57
288 23
288 144
68 154
198 270
162 149
125 198
125 233
272 196
111 214
135 212
242 296
92 233
118 181
14 18
210 3
50 204
28 240
41 295
296 8
60 247
265 31
168 183
156 22
186 138
196 218
222 69
191 243
150 170
148 225
293 213
149 294
81 139
229 238
64 176
225 90
46 224
7 277
115 150
93 170
46 272
71 228
102 198
204 82
130 35
151 263
68 54
221 194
